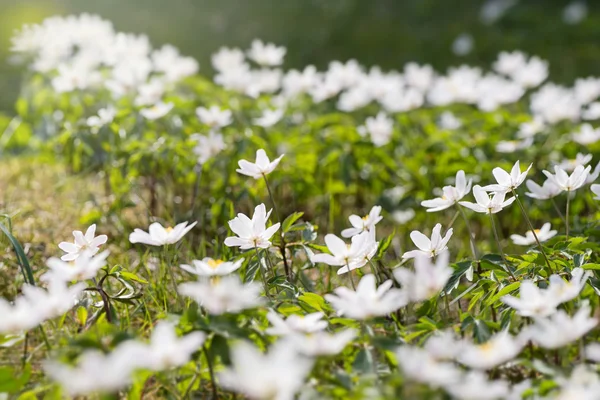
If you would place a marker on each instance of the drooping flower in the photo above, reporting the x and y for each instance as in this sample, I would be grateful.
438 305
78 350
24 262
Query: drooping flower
355 255
363 224
427 280
566 182
88 243
211 267
157 235
227 295
261 167
486 204
429 247
252 233
368 300
507 182
543 234
451 194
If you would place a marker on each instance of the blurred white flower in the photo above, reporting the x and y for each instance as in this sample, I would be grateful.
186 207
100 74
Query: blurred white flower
368 300
403 216
85 266
366 223
428 279
214 117
227 59
568 182
547 191
449 121
105 116
166 350
262 166
418 365
509 63
267 55
596 190
269 118
252 233
543 234
379 129
580 159
321 343
208 146
586 135
88 243
511 146
226 295
463 44
575 12
474 385
157 111
496 351
294 324
211 267
429 247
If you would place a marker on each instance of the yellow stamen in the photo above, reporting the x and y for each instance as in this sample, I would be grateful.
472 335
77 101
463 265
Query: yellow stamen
214 264
169 229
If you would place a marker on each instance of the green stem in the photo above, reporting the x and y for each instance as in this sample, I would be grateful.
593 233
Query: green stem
471 237
262 273
560 214
500 246
567 213
211 373
286 266
532 229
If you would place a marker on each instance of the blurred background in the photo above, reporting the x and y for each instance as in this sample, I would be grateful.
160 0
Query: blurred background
387 33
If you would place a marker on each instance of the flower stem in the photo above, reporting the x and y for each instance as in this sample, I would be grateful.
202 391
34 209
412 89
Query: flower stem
262 273
211 373
500 246
471 237
567 213
286 266
531 228
560 214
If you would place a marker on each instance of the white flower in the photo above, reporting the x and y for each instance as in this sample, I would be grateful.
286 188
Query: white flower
86 266
262 166
105 116
511 146
583 384
580 159
443 345
563 291
497 350
586 135
208 146
368 300
568 182
88 243
507 182
403 216
363 224
559 329
419 77
253 232
463 44
211 267
277 375
269 118
157 111
429 247
451 194
321 343
309 323
418 365
596 190
542 234
592 112
575 12
531 74
475 385
157 235
531 128
592 352
227 59
448 121
509 63
227 295
427 280
214 117
355 255
379 128
485 203
547 191
166 350
267 55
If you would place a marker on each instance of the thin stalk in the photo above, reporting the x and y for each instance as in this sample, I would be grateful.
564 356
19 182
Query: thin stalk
500 246
286 266
471 237
531 228
456 214
168 267
262 274
351 279
567 213
560 214
198 171
211 373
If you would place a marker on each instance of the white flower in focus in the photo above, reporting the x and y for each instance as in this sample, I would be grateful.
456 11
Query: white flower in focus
348 256
586 135
157 235
88 243
294 324
507 182
157 111
543 234
214 117
363 224
279 374
568 182
84 267
379 129
474 385
428 279
166 350
267 55
227 295
496 351
418 365
208 146
368 300
212 267
262 166
547 191
252 233
269 118
486 204
105 116
429 247
560 329
451 194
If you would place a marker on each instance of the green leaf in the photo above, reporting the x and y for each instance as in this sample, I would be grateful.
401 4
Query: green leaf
459 270
591 266
363 363
289 221
384 245
82 315
314 301
21 257
502 292
251 269
132 277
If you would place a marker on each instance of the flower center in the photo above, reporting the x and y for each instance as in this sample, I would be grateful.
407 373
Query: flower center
214 264
169 229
